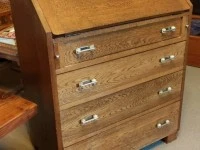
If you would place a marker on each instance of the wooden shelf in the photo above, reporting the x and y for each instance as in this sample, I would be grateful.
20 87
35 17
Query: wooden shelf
8 52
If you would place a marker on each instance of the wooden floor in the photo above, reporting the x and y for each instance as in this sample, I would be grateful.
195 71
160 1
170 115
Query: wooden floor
189 135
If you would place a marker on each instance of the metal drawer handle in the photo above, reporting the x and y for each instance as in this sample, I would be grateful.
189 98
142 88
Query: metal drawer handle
86 84
89 119
168 29
167 59
161 125
85 49
165 91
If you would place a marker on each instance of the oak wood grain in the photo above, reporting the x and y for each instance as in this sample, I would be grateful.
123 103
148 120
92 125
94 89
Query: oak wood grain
119 74
134 134
40 23
66 16
15 111
131 36
60 62
124 104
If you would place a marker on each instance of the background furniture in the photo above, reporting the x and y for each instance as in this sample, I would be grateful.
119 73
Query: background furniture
7 51
14 110
194 48
5 14
105 74
196 7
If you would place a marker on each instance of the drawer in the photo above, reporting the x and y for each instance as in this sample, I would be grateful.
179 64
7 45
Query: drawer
103 79
132 134
88 46
80 120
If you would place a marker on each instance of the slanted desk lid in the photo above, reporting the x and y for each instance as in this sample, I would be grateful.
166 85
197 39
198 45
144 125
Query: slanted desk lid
66 16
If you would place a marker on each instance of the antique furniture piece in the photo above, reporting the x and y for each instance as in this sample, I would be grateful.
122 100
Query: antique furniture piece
106 74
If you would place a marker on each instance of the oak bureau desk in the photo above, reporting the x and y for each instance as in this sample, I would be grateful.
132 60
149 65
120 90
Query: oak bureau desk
106 74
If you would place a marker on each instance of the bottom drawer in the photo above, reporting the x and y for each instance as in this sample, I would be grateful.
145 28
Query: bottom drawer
135 133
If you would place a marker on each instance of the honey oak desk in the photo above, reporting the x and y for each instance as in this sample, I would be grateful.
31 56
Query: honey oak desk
106 74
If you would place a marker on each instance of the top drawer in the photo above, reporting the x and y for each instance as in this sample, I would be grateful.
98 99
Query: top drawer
88 46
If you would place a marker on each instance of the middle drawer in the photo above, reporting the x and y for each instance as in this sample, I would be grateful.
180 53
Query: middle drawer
99 80
92 116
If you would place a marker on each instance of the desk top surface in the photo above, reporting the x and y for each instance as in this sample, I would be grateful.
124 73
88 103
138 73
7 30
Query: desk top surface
67 16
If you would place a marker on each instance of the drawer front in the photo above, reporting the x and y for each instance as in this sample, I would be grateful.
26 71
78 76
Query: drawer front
136 133
119 106
88 47
96 81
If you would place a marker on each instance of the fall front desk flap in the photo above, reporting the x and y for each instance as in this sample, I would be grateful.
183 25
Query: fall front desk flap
67 16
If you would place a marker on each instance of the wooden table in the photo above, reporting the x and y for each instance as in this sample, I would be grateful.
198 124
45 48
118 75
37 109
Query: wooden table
14 111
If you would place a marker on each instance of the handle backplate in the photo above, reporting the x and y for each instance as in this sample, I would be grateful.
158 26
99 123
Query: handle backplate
89 119
167 59
162 125
165 91
168 30
84 49
87 84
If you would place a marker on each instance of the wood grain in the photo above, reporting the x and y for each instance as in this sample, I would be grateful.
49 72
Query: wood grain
35 49
15 111
124 104
116 41
118 69
119 74
82 64
134 134
66 16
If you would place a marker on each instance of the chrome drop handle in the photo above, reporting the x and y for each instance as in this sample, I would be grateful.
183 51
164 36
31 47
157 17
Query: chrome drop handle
83 49
161 125
165 91
168 30
167 59
86 84
89 119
